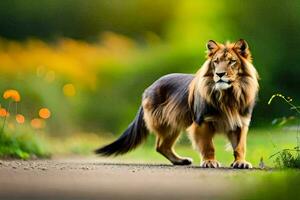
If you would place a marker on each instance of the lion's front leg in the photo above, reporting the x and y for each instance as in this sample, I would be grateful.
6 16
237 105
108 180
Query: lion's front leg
201 137
238 139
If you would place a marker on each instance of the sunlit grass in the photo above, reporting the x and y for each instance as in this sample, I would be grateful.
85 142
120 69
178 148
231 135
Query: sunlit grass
261 145
277 184
23 143
77 143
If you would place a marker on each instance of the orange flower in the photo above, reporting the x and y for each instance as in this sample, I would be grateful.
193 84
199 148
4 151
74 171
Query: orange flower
44 113
20 118
3 112
37 123
14 94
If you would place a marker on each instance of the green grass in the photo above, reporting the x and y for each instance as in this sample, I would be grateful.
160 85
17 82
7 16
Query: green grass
262 143
275 184
77 143
22 143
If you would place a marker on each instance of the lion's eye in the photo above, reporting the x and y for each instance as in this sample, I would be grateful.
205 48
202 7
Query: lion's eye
232 62
216 61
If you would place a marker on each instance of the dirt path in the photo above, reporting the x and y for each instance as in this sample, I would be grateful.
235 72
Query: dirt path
94 179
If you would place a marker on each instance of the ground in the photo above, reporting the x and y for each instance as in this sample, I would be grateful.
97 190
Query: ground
104 179
144 174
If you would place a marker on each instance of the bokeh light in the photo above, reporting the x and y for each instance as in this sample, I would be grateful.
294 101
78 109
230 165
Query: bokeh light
50 76
3 112
13 94
20 118
69 90
44 113
37 123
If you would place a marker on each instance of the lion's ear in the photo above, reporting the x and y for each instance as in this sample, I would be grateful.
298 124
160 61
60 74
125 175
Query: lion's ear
212 47
242 48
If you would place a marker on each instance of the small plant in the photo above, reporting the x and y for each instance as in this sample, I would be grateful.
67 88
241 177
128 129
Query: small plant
289 158
22 143
17 138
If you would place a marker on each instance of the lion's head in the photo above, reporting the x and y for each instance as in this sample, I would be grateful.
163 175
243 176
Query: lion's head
226 62
228 69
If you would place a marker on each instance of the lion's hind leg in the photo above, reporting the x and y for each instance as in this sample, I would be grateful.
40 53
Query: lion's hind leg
165 141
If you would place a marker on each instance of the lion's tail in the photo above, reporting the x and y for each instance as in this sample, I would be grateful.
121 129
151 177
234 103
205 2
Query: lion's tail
134 135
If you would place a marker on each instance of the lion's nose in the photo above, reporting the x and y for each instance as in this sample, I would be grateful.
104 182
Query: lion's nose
221 74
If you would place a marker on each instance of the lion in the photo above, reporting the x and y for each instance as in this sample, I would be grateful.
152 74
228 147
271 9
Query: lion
219 98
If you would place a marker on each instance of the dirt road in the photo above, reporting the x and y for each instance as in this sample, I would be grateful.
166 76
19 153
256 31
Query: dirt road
94 179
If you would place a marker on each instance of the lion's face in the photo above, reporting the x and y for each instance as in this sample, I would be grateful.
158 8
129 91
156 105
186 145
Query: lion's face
226 64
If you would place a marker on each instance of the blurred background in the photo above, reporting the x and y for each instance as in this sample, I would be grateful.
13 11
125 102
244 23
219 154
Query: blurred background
80 66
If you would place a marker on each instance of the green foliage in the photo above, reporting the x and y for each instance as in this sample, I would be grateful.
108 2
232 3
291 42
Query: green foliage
23 144
288 158
81 18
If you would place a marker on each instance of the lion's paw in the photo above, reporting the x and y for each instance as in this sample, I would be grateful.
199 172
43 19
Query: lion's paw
241 164
210 164
183 161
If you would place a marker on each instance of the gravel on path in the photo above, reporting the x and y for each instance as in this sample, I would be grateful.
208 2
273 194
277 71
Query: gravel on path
102 179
